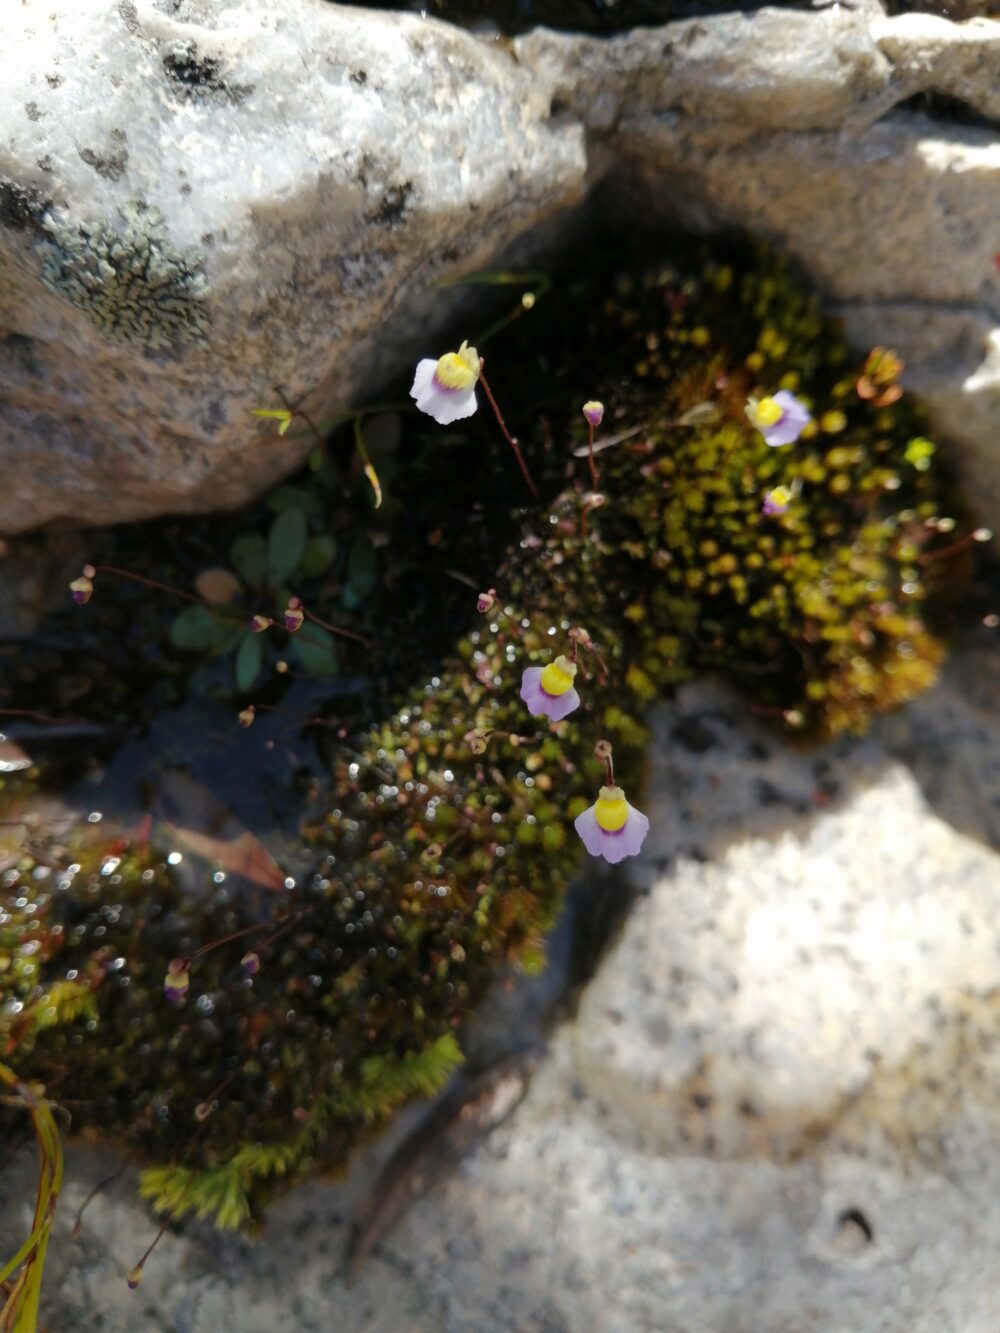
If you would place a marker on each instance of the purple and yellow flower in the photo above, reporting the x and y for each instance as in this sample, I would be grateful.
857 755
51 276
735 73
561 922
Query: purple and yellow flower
549 690
83 587
82 590
177 981
446 389
594 412
780 419
611 827
776 501
250 963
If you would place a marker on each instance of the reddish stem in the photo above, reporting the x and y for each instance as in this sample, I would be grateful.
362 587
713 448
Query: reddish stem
297 412
156 1240
226 939
601 664
506 433
590 456
335 629
153 583
944 552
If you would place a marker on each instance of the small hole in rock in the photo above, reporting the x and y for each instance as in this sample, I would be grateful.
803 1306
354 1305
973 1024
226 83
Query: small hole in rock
854 1229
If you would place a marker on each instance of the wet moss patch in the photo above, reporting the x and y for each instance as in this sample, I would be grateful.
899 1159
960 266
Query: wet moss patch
420 861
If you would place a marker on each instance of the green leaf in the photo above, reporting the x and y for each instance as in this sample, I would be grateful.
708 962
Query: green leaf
319 555
248 660
293 497
285 545
702 414
196 630
248 556
280 414
315 650
362 566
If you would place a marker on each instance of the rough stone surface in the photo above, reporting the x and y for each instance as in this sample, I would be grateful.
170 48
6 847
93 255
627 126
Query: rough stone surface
928 53
775 1109
200 202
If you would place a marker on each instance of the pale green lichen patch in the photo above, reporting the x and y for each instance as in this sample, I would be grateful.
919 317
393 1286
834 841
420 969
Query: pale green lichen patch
134 285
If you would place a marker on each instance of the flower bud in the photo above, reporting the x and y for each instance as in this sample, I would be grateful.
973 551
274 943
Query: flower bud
293 618
247 716
82 589
135 1277
260 623
776 501
476 741
177 981
594 412
250 963
486 601
602 751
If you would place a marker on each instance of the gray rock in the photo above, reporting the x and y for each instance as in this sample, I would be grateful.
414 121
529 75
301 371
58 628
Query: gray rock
774 69
929 54
200 203
774 1110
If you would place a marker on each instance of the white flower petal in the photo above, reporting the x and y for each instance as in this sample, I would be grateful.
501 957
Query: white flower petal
454 405
614 846
589 830
423 377
635 830
561 705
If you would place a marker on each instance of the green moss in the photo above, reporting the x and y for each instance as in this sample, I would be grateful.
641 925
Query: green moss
434 867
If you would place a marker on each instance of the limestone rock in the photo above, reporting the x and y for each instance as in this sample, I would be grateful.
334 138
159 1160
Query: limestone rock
928 53
776 69
774 1109
203 203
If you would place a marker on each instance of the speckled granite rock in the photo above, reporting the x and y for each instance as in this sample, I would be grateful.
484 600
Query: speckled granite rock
200 202
776 1108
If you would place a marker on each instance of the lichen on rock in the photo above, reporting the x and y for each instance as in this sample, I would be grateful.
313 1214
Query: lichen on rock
129 279
438 863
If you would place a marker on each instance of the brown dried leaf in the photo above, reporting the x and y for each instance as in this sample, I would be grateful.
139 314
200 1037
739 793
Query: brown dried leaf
219 586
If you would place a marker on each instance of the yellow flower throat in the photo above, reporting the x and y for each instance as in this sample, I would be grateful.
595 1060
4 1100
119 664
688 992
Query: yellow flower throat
458 370
557 677
610 809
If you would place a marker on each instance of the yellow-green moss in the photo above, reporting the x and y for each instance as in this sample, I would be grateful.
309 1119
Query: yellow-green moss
434 866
